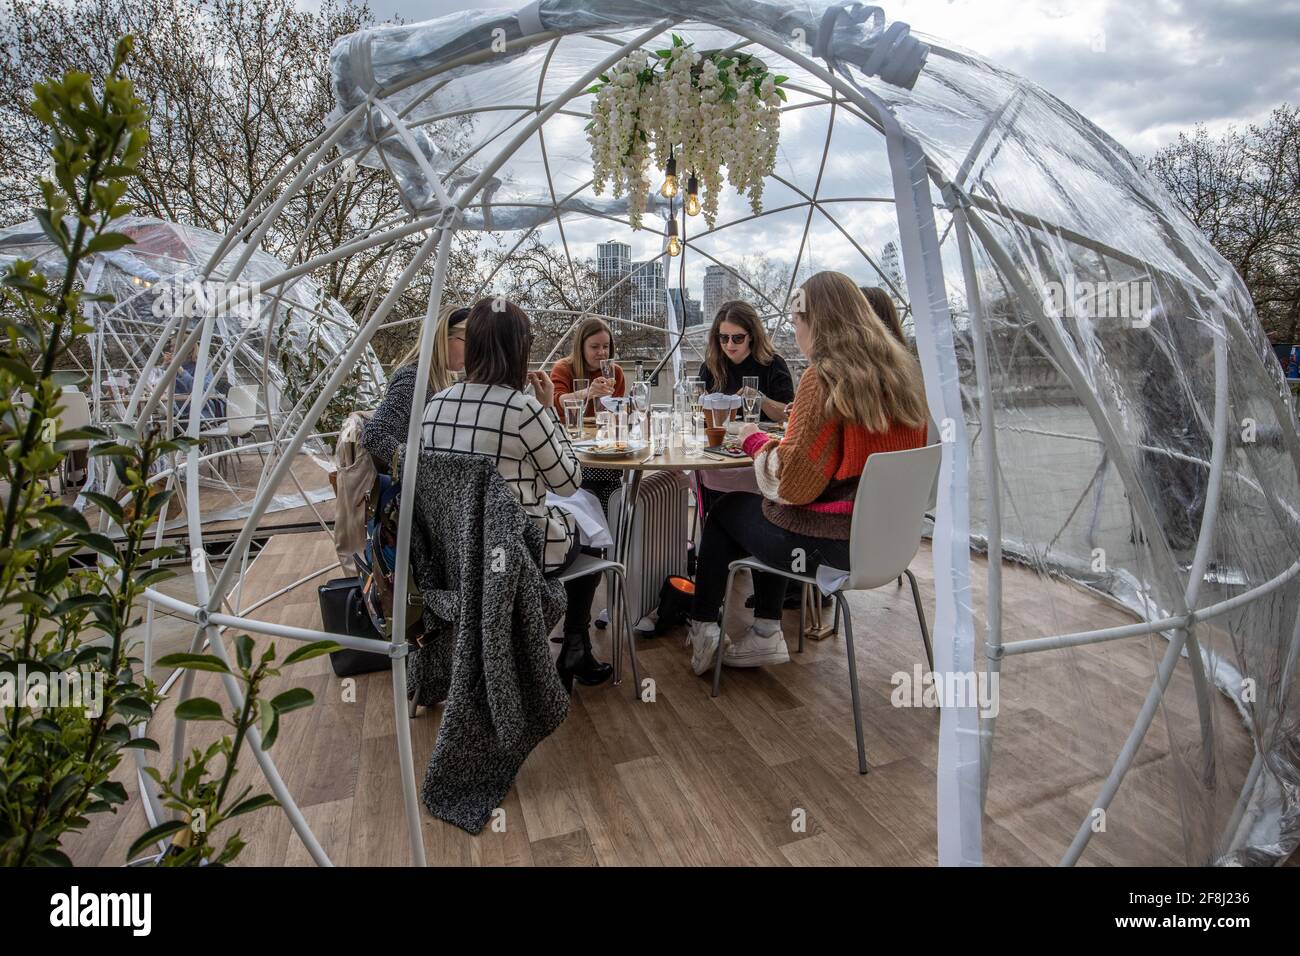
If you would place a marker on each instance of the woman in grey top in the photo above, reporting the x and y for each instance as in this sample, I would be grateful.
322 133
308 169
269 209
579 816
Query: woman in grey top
386 430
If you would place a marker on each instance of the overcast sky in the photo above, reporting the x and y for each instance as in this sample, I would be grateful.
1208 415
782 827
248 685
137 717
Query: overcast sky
1141 69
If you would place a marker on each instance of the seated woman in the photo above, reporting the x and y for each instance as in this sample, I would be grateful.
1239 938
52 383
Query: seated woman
862 393
882 303
739 347
592 343
489 414
386 430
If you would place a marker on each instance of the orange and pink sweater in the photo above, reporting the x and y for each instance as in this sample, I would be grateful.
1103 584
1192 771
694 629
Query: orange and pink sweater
810 478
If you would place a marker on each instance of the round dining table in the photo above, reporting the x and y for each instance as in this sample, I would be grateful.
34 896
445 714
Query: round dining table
631 468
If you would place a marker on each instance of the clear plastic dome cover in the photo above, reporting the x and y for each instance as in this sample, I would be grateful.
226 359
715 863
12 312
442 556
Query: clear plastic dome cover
1116 534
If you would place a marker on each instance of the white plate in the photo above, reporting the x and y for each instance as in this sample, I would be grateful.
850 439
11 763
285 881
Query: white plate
589 447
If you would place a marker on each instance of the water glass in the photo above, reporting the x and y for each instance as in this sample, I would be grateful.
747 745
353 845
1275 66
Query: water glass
602 429
581 385
661 426
695 437
607 370
572 415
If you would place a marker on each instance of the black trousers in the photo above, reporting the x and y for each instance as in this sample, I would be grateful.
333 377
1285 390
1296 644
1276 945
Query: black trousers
737 528
580 591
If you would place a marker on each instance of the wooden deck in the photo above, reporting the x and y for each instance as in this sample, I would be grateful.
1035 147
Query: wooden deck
690 779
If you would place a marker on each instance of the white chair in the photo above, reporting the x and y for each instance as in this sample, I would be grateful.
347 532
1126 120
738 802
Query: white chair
888 516
74 412
241 417
615 576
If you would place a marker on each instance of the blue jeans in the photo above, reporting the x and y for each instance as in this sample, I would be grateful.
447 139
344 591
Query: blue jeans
737 528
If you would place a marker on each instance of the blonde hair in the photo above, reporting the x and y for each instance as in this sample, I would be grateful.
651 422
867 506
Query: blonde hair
871 378
586 329
439 374
736 312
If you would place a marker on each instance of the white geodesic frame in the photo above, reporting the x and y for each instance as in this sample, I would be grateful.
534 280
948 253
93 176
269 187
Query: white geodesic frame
965 740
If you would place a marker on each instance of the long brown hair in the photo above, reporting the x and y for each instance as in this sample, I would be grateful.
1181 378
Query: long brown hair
498 338
883 305
586 329
736 312
439 374
871 378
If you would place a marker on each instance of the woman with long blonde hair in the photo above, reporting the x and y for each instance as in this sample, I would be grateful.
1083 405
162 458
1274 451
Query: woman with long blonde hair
386 430
862 393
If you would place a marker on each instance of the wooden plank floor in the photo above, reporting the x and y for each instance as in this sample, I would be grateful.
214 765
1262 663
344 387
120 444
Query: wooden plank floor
764 774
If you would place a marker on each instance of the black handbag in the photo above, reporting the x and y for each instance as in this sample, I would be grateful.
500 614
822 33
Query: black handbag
343 611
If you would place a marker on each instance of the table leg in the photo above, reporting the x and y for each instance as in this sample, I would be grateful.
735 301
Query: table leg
622 550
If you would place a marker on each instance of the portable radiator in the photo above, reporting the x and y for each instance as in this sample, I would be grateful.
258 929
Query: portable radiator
659 534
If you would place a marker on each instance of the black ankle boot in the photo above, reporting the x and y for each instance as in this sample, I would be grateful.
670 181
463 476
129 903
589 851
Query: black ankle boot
577 661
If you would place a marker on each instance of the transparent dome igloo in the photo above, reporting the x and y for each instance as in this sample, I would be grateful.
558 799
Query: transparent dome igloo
257 341
1116 433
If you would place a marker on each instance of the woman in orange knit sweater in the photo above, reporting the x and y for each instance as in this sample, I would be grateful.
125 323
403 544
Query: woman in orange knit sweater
862 393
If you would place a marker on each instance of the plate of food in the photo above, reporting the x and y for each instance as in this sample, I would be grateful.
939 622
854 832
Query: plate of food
590 447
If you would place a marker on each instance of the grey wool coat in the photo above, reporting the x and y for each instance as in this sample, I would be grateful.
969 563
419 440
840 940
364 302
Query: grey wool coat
488 610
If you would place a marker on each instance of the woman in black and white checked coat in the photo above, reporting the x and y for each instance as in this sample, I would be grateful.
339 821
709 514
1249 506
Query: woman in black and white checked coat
488 414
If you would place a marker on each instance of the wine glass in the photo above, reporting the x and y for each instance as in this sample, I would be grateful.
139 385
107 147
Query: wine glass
641 402
607 370
749 388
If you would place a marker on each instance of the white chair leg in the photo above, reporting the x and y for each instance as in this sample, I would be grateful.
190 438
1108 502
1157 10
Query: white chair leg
722 620
614 579
853 684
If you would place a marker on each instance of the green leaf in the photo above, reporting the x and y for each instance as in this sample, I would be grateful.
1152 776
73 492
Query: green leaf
314 649
253 803
270 726
293 699
70 518
155 835
194 662
141 743
108 242
100 543
199 708
133 706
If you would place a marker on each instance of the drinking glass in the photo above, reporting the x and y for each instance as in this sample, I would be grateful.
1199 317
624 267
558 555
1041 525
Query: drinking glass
602 428
572 415
749 384
607 370
580 385
661 426
695 437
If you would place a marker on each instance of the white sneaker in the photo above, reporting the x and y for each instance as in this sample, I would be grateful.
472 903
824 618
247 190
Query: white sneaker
756 650
704 640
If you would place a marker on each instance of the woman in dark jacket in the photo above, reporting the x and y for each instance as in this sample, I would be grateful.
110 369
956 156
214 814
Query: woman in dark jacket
386 431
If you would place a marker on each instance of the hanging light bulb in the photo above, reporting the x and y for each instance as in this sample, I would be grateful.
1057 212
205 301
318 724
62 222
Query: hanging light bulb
669 189
692 196
674 244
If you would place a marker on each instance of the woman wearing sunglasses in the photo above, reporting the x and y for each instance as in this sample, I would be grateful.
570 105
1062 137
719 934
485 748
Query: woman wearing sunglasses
738 348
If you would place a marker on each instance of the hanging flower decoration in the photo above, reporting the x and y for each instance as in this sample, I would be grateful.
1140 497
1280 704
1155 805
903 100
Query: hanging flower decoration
688 111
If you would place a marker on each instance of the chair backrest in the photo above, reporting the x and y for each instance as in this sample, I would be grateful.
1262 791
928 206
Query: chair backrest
74 409
932 438
241 410
888 514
